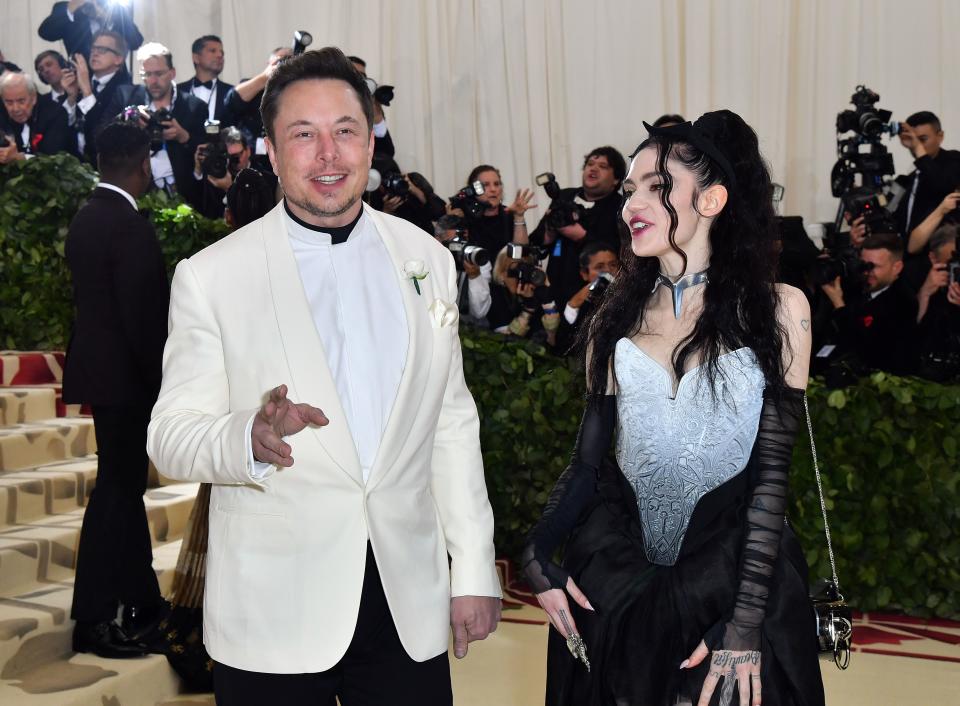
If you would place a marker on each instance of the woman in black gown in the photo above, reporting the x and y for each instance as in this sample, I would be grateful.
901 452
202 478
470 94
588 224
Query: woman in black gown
688 586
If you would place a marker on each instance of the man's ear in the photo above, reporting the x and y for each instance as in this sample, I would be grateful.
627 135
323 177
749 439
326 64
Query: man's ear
712 200
271 154
897 267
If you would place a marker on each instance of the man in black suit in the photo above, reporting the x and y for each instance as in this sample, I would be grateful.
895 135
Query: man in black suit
172 164
30 126
206 84
880 330
937 170
96 90
244 103
113 363
77 22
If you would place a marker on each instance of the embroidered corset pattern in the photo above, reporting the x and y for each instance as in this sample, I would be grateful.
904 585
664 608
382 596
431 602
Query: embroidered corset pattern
675 450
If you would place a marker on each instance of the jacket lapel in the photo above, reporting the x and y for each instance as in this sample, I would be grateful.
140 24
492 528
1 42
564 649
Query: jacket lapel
311 380
419 350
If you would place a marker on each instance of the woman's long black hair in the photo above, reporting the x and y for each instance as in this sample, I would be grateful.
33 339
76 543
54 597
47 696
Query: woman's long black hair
740 299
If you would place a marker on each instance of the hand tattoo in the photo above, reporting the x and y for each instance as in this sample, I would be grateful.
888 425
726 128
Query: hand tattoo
566 623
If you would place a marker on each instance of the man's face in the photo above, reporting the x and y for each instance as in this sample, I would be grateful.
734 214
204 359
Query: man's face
105 56
929 137
942 255
886 268
598 179
210 58
600 262
49 70
239 157
19 102
157 77
321 149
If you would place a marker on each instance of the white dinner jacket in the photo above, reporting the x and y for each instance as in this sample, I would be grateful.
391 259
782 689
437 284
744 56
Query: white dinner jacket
286 556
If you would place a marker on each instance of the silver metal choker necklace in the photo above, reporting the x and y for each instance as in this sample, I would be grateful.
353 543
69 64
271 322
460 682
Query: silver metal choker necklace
677 288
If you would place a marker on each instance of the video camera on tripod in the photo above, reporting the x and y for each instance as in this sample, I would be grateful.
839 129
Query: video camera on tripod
865 155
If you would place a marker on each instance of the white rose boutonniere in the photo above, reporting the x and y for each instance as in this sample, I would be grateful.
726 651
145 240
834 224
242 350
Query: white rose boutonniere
415 270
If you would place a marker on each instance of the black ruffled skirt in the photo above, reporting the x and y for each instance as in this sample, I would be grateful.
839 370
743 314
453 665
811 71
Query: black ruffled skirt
649 618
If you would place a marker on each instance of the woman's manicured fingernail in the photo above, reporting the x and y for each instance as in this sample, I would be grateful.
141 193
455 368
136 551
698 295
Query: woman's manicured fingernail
684 664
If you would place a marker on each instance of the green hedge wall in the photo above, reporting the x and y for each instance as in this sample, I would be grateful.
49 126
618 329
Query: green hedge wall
888 446
38 198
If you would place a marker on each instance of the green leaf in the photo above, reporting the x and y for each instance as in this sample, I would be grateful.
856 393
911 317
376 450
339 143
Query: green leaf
837 399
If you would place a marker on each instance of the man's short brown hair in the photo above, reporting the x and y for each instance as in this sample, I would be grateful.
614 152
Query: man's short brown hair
326 63
885 241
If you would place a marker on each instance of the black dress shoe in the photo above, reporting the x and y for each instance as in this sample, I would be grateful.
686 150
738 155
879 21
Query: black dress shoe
143 624
106 639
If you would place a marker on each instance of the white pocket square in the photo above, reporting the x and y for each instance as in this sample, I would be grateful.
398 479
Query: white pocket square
443 314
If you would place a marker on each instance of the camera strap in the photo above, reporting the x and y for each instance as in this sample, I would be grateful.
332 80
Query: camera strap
677 288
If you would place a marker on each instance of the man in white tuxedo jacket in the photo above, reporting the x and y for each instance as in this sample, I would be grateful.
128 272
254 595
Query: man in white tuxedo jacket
345 542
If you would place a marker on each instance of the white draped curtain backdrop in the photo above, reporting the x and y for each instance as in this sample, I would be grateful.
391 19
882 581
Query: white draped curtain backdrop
533 85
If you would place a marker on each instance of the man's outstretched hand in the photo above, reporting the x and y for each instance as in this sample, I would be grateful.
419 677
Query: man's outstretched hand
277 418
472 618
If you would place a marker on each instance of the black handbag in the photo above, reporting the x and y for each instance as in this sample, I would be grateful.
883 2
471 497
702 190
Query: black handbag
833 617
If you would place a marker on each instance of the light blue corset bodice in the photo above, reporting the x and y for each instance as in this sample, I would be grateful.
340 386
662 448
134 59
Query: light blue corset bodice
673 451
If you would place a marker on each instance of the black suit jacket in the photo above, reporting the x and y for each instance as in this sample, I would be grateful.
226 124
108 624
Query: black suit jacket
108 106
49 131
77 35
191 113
222 110
121 295
882 332
938 177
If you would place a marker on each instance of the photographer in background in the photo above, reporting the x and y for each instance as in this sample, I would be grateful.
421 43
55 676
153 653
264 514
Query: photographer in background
243 103
382 95
880 330
207 55
522 304
98 96
938 313
937 174
28 126
251 196
944 213
599 266
407 196
216 165
596 204
180 119
52 68
78 21
474 270
492 225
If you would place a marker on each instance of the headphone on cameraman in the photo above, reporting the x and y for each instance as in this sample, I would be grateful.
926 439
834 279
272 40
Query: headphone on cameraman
64 64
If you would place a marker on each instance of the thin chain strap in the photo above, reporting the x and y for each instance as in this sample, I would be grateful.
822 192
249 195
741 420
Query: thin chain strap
823 504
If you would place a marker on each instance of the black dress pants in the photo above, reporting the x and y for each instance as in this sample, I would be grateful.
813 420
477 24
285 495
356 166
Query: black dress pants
115 558
375 671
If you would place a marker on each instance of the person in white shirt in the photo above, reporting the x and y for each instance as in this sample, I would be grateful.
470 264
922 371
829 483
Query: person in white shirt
343 543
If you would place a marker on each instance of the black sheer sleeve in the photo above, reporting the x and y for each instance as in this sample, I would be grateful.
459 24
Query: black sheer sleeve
573 490
779 421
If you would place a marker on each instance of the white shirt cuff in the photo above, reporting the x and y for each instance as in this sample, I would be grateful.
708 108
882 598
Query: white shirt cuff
570 314
380 129
87 103
255 469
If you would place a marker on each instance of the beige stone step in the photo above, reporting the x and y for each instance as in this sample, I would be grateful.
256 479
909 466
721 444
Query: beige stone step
44 550
41 617
40 443
21 405
55 488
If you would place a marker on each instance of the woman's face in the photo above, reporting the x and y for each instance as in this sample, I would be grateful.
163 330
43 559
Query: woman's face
492 189
646 218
